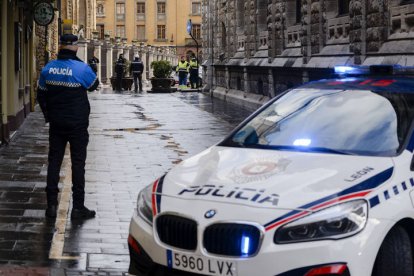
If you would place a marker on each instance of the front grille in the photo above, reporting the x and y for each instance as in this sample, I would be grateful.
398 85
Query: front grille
177 231
232 239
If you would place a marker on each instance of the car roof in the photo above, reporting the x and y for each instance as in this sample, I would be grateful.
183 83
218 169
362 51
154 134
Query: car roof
373 83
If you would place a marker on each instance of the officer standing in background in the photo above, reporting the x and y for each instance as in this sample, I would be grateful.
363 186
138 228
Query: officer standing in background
93 63
62 95
137 67
119 70
182 70
194 73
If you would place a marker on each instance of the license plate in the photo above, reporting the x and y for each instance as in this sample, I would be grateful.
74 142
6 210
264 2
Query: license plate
200 264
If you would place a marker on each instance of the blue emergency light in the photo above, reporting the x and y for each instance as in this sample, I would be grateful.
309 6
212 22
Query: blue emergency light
374 70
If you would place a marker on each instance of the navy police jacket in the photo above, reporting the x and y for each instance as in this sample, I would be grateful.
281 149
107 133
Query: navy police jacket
62 91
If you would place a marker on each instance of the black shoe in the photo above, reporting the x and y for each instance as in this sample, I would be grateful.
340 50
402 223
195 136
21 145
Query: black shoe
83 213
51 211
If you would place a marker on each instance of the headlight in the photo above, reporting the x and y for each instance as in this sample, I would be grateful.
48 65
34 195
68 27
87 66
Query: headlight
336 222
144 204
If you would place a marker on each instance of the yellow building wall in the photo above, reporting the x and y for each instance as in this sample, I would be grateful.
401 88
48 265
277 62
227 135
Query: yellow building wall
177 14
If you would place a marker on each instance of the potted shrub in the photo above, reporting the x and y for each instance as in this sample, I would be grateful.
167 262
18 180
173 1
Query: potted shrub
162 81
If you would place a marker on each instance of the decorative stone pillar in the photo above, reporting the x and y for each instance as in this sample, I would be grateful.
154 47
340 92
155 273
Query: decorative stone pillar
109 62
246 80
357 36
98 53
376 23
143 55
126 52
306 31
83 50
150 60
272 92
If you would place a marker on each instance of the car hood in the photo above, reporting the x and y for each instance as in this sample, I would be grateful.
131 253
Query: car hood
274 179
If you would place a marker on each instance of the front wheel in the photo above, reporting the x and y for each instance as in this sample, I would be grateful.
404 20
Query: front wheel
395 257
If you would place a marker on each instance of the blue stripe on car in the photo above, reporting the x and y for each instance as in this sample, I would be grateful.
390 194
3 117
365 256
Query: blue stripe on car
370 183
374 201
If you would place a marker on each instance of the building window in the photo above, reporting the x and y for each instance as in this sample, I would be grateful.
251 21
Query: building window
161 32
196 8
101 31
299 11
161 7
140 8
141 32
120 11
197 31
120 31
140 11
343 7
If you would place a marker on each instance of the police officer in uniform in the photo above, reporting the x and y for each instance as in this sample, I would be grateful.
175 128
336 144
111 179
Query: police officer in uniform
194 73
182 70
119 70
137 67
62 95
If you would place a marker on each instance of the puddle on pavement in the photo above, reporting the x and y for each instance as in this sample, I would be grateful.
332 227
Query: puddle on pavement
149 127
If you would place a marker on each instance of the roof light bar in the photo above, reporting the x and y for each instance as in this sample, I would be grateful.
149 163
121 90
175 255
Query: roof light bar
374 70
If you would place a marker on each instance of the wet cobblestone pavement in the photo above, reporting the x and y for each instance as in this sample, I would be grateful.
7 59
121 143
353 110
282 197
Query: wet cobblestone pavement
133 140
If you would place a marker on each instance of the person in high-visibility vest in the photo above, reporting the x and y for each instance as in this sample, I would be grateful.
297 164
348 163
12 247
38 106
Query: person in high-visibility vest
194 73
182 70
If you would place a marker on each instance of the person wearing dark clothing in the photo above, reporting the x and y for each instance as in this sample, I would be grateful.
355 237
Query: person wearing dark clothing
119 70
194 73
62 96
137 67
93 63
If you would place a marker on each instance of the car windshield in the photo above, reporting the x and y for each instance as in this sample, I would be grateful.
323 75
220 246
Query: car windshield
357 122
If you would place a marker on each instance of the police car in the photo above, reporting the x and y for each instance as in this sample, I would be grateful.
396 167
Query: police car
319 181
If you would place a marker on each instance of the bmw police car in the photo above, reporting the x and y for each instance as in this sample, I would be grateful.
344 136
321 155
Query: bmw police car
319 181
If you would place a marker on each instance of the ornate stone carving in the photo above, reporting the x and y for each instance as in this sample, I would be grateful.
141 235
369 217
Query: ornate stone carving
377 22
355 37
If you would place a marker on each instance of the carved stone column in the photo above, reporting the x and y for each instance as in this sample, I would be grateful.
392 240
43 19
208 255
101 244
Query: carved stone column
306 35
83 50
98 53
109 61
357 36
377 24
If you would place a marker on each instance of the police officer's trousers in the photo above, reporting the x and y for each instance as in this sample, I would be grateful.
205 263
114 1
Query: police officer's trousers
78 140
137 81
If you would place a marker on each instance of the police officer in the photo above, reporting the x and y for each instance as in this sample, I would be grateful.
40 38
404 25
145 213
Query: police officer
182 70
93 63
119 70
137 67
194 73
62 95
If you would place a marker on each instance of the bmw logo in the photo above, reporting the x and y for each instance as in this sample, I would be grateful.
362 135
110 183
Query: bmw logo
210 213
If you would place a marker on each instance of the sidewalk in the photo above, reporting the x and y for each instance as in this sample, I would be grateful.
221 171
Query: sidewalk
134 138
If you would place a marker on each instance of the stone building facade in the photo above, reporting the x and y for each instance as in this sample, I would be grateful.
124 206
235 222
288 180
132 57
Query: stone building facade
82 14
255 49
158 23
17 65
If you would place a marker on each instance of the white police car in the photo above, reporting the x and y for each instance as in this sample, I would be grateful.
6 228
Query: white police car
319 181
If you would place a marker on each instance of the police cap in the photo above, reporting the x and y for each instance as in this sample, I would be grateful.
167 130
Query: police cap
69 39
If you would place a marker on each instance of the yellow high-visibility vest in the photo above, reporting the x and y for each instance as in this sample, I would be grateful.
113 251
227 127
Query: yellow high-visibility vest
193 64
182 66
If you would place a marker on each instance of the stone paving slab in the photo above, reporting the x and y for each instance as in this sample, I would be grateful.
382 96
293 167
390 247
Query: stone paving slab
133 140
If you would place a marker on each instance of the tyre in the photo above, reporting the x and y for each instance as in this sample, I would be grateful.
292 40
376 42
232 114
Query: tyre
395 257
